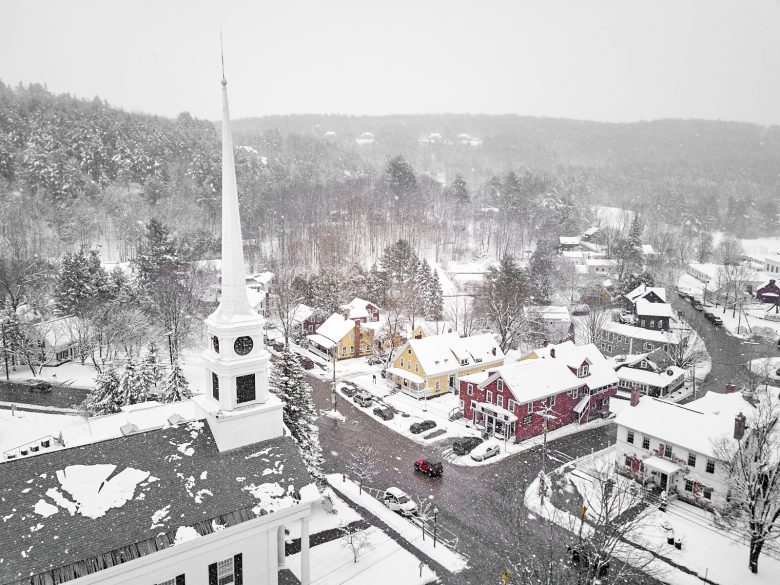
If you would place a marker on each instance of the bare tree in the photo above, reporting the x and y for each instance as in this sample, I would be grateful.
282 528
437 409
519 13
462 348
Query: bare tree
355 539
592 325
286 298
753 467
389 336
364 463
686 347
729 250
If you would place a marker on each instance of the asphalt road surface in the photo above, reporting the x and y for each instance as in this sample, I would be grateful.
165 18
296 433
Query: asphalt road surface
479 504
728 353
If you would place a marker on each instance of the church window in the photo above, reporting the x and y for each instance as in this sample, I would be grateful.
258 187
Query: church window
215 386
245 388
215 343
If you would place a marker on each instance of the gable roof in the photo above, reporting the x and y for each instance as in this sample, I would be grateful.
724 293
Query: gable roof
569 240
658 359
357 308
695 426
335 327
59 331
542 375
643 290
439 354
645 307
435 327
57 507
639 332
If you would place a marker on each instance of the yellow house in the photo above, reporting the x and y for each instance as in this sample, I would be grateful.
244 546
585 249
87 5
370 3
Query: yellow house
430 366
347 337
428 328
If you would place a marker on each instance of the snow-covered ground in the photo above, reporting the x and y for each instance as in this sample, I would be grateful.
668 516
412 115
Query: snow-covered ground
711 552
767 366
451 559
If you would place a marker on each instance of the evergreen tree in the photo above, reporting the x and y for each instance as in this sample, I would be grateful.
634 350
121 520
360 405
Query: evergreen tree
436 312
150 366
133 388
399 261
399 176
105 397
287 381
460 189
81 283
176 386
377 286
157 255
540 271
326 293
422 285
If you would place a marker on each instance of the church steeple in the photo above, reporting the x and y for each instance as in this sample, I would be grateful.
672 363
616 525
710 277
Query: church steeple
234 304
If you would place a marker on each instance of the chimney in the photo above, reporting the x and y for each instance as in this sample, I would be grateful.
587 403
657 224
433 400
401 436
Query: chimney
552 352
357 338
730 388
494 351
739 426
635 394
546 343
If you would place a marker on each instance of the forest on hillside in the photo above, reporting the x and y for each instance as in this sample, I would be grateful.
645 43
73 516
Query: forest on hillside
78 174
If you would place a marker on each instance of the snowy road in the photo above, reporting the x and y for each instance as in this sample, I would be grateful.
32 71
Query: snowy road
480 504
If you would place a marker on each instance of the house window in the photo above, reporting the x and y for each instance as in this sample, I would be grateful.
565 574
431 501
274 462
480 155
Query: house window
470 389
710 466
648 345
245 388
409 351
630 437
707 493
500 385
692 459
511 405
226 572
402 362
584 369
351 349
530 407
645 442
416 368
215 386
688 485
500 401
343 350
643 365
436 385
609 347
668 451
489 397
527 420
652 323
462 405
627 460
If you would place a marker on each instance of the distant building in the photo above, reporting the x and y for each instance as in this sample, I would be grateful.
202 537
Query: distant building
556 320
428 328
365 138
590 234
365 311
568 243
343 337
57 340
769 293
654 373
617 338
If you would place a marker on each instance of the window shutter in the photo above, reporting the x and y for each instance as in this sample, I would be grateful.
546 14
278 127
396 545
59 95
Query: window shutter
238 569
213 574
180 579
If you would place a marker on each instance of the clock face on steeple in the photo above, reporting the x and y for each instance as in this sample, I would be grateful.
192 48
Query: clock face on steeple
215 343
243 345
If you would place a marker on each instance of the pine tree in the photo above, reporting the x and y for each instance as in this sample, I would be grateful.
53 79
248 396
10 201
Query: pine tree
540 271
150 366
157 256
460 189
422 286
288 382
437 298
326 292
81 283
133 388
377 286
176 386
105 397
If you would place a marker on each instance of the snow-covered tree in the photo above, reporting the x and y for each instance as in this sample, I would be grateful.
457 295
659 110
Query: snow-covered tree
460 190
287 381
176 387
326 292
133 388
753 468
150 366
157 255
81 282
355 539
105 398
436 298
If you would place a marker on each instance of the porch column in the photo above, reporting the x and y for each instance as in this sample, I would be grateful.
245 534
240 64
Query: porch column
305 575
281 555
273 560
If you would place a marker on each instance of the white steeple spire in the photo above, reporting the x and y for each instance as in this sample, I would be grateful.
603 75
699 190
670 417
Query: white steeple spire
234 304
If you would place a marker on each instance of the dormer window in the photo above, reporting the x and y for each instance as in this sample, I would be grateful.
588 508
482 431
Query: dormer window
464 362
583 371
500 385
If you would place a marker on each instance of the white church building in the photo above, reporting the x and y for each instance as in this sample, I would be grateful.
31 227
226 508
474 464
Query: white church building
201 497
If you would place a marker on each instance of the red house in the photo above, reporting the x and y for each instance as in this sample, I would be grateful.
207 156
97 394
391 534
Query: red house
769 293
561 384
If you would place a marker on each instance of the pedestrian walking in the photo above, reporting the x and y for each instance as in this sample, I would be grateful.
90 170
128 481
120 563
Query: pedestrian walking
374 378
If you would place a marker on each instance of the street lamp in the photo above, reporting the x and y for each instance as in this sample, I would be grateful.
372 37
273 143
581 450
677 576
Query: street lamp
435 513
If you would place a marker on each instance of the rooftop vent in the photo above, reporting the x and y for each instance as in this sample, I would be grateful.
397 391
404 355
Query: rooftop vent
129 429
176 419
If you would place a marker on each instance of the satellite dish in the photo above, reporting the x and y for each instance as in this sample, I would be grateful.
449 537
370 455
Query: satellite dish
670 372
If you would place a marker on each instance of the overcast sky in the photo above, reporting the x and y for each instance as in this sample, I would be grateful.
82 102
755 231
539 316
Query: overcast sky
613 60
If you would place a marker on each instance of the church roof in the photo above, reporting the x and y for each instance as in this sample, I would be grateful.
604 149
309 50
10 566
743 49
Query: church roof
83 509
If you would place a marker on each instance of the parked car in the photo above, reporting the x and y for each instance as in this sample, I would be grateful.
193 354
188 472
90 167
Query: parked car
39 386
363 398
464 445
384 412
698 305
422 426
306 362
375 360
430 467
384 373
277 346
397 500
709 315
485 450
716 320
349 389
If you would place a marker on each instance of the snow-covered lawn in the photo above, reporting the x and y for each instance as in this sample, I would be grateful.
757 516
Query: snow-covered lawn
709 551
68 374
322 520
385 563
769 365
408 531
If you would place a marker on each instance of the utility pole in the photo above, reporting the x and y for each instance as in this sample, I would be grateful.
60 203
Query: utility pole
333 390
5 351
693 380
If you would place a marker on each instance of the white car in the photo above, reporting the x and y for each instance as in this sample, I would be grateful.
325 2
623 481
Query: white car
397 500
485 450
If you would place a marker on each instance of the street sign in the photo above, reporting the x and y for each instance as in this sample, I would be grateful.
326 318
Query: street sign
505 577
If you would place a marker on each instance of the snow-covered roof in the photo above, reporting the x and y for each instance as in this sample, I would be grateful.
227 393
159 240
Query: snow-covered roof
643 290
439 354
336 327
129 496
401 373
254 297
569 240
658 380
662 465
322 341
434 327
695 426
600 262
639 332
591 230
533 379
357 308
552 313
648 250
645 307
477 378
710 269
507 415
301 312
60 331
572 254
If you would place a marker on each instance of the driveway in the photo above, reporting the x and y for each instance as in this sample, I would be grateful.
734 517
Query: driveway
482 505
